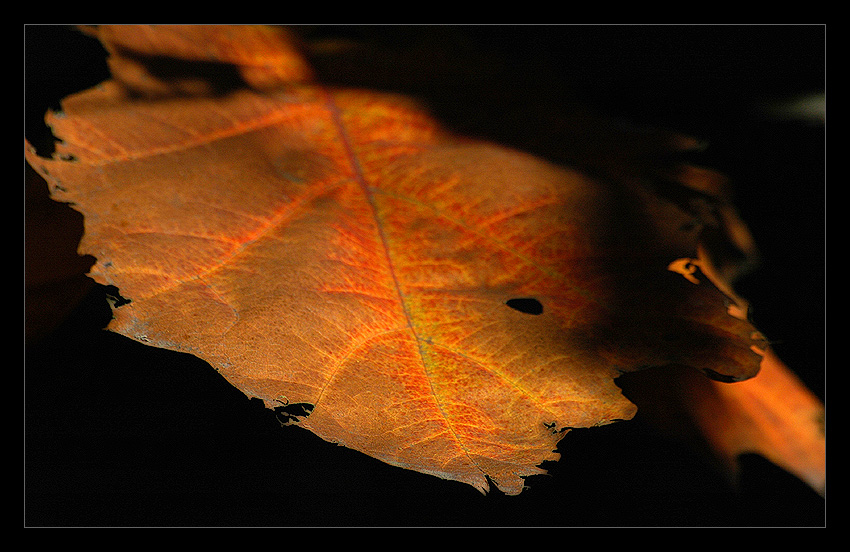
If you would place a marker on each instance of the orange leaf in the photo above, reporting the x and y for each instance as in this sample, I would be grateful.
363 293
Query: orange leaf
442 304
773 415
142 57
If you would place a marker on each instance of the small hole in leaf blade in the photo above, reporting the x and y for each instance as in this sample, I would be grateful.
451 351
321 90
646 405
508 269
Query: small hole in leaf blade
527 305
292 413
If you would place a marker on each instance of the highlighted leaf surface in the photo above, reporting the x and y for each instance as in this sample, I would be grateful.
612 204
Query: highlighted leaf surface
444 304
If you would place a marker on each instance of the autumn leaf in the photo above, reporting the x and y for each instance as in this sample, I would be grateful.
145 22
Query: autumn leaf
443 304
773 415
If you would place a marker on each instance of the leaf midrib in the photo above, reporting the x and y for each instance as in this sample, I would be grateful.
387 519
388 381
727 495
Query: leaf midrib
360 177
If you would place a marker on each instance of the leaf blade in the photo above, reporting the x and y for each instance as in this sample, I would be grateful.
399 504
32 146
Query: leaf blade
306 240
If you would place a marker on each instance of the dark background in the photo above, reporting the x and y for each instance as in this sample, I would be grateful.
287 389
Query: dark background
117 433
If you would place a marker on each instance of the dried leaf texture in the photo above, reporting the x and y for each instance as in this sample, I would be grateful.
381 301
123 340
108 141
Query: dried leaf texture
339 248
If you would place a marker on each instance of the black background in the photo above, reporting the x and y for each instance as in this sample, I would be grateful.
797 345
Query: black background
119 434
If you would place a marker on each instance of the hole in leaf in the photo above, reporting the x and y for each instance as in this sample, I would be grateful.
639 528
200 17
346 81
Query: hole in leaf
291 413
114 297
527 305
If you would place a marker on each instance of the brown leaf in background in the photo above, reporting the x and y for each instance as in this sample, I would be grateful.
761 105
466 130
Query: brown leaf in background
772 415
54 275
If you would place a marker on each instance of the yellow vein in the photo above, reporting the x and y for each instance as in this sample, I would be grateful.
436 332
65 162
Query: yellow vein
367 191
